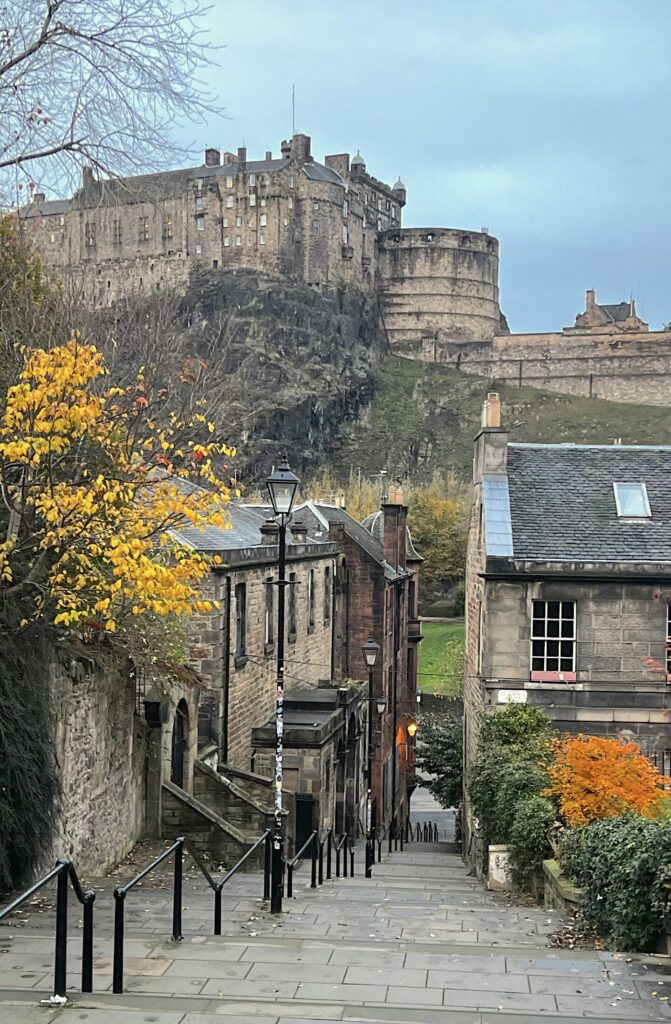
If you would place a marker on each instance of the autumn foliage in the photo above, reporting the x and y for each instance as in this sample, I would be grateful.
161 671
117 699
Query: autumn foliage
95 481
593 778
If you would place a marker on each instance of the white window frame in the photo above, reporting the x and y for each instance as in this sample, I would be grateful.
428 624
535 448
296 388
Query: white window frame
229 181
238 221
230 202
200 221
238 239
227 241
647 514
262 239
544 634
252 179
263 220
252 199
345 234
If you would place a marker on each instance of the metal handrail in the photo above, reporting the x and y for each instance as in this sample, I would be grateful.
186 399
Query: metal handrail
64 871
178 848
345 845
313 842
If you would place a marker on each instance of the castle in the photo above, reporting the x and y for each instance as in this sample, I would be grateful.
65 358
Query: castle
330 225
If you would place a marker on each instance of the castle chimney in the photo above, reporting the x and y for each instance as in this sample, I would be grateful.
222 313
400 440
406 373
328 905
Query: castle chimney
491 443
269 154
212 157
285 149
395 519
38 197
590 300
300 148
338 162
87 176
229 158
242 157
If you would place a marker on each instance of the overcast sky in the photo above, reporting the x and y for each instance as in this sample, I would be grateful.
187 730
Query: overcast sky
546 121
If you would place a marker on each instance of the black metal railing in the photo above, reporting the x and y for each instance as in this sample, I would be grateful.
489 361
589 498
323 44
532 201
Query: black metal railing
64 872
344 855
661 760
426 832
178 848
313 842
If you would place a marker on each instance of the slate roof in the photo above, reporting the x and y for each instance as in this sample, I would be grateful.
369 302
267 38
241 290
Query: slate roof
310 514
498 528
562 504
616 311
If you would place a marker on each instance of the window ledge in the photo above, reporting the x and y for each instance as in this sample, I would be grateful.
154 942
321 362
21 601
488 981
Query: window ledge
241 660
553 677
268 649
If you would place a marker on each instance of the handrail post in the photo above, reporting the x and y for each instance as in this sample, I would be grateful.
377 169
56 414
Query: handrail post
321 863
313 845
337 849
290 880
266 867
402 831
117 969
329 846
60 967
351 861
217 910
177 895
87 944
344 857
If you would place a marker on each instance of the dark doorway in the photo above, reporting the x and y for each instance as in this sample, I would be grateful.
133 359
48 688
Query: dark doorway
305 816
180 731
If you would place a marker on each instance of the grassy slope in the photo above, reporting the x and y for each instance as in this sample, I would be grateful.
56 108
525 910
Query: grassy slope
441 656
425 416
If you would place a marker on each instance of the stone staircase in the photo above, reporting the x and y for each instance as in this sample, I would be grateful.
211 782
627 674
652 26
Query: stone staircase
421 942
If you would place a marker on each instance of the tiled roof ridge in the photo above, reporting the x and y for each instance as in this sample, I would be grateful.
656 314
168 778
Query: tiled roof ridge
571 446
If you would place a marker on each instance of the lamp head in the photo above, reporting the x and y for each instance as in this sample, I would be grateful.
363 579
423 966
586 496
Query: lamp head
370 652
381 703
412 729
282 486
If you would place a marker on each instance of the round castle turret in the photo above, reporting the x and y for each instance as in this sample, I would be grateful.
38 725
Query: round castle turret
438 285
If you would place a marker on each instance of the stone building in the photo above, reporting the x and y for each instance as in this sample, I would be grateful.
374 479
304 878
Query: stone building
376 594
568 586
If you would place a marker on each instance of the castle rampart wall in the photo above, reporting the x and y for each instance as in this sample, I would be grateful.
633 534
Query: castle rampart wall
634 367
440 283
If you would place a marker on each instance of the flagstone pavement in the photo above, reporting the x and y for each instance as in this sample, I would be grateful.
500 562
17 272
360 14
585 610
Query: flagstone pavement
421 942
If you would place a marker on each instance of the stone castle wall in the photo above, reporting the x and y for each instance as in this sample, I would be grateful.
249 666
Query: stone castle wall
440 284
620 366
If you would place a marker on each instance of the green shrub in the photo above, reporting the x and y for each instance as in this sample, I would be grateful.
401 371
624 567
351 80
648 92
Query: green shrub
517 725
503 777
529 839
623 869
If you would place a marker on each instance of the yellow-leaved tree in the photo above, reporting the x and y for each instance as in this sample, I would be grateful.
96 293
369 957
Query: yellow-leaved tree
93 481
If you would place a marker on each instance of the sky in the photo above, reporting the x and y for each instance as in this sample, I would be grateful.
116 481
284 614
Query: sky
545 121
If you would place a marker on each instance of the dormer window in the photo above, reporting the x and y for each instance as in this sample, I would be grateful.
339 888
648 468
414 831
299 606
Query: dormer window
632 501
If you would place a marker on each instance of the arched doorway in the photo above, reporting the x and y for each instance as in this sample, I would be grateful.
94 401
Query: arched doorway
180 732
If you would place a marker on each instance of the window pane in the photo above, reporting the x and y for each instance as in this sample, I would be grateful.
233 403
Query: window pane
567 649
568 609
553 609
537 664
567 628
552 665
553 627
552 649
539 609
538 649
632 500
566 665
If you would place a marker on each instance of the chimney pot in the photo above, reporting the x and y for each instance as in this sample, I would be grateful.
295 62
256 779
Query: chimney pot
491 410
38 197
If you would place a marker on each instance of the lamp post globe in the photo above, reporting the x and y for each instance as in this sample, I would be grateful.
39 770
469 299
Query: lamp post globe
282 486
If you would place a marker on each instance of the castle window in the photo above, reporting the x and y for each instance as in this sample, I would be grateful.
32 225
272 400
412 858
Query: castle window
263 200
238 222
200 222
345 234
291 181
252 180
143 229
291 202
387 204
379 223
315 207
230 202
116 232
199 249
90 233
238 240
315 226
262 239
229 181
62 221
379 202
200 203
53 239
345 208
263 220
224 222
252 199
227 241
167 228
199 184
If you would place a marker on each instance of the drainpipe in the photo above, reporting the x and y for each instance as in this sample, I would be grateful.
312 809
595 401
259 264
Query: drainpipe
226 674
394 696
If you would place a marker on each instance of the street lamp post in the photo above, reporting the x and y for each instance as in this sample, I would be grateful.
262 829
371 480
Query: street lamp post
370 652
282 487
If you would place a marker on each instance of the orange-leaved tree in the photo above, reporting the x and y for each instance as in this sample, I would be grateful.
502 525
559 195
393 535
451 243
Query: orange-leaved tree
93 483
593 777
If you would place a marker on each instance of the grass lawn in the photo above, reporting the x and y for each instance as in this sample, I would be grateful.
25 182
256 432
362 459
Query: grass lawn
441 658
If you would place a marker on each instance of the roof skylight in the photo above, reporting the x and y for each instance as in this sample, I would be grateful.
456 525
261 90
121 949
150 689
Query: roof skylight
632 501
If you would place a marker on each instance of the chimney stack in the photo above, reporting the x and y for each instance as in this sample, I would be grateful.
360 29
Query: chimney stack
242 157
229 158
491 443
285 149
300 148
212 157
269 154
270 532
590 300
